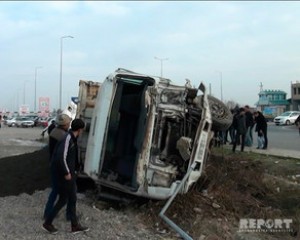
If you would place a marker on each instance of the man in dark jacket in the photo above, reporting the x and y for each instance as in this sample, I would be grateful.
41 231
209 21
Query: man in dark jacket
249 125
51 127
64 167
241 129
55 136
297 123
261 127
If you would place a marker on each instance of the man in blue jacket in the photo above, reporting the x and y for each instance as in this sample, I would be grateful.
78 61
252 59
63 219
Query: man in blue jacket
64 166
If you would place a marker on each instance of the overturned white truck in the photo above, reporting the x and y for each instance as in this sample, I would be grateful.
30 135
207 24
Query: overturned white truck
145 136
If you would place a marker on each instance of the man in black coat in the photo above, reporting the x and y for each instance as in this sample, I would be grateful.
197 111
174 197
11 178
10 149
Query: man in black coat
261 127
249 125
239 124
64 166
297 123
55 136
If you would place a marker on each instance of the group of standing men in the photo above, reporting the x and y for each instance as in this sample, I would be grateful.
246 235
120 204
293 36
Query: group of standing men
242 127
64 164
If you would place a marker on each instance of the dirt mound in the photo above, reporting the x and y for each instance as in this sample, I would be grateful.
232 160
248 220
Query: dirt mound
232 187
24 173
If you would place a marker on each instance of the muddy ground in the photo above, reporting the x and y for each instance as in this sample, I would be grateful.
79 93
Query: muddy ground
233 186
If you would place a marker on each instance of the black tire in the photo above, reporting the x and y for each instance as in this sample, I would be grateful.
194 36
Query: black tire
221 116
287 122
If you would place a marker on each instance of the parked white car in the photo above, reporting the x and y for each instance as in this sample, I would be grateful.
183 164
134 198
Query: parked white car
286 118
24 122
10 122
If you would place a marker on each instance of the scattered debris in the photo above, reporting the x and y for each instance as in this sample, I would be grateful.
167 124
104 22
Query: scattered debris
215 205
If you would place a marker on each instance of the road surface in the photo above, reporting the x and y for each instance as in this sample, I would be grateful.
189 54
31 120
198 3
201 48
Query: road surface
282 137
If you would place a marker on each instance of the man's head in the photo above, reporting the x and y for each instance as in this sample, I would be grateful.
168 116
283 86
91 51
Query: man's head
77 124
242 111
247 108
63 121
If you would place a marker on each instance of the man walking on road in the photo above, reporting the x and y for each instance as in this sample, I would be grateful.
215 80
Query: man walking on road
55 136
64 166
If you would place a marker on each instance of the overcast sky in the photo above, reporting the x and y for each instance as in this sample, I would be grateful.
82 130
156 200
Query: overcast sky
242 43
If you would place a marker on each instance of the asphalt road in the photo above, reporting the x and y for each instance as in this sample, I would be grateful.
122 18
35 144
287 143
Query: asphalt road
282 137
15 141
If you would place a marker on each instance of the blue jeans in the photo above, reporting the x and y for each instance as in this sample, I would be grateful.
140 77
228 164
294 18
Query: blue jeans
249 137
52 198
67 195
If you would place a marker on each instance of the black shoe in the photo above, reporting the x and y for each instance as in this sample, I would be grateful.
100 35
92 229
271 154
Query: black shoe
49 228
78 228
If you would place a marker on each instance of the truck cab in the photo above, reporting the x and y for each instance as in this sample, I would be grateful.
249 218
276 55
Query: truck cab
143 133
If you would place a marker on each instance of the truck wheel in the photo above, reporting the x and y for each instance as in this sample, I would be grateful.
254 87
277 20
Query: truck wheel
221 116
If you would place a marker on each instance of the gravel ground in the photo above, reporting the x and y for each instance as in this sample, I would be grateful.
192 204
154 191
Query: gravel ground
24 181
21 218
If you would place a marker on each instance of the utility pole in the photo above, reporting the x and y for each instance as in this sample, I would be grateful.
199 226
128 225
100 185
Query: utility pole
60 75
221 84
35 77
161 64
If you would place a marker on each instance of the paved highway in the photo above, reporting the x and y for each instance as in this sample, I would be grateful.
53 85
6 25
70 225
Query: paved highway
281 137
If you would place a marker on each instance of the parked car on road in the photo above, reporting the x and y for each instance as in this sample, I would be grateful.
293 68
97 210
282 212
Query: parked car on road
286 118
10 122
24 122
34 118
43 121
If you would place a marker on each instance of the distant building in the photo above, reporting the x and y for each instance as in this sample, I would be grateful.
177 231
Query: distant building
272 102
295 93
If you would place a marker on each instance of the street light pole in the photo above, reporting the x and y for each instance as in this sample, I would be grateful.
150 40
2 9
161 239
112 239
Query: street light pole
24 89
161 64
221 83
60 76
36 68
